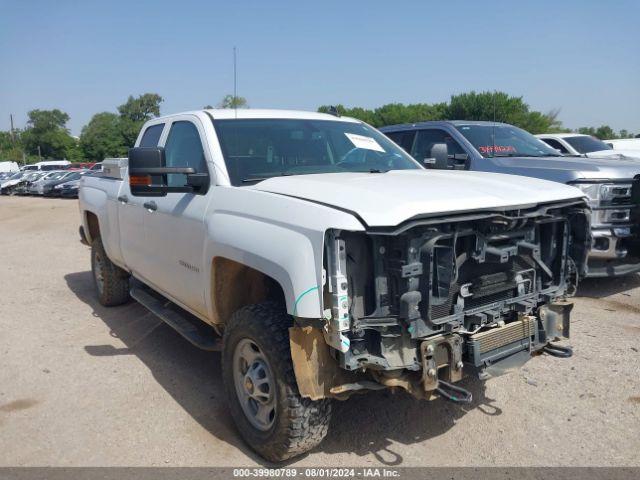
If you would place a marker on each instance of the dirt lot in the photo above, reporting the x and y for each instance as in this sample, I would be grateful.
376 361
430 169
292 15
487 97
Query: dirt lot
84 385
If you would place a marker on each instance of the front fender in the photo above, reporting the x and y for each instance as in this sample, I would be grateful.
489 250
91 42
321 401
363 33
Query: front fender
282 237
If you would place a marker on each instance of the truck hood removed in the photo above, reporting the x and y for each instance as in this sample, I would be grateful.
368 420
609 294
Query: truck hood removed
388 199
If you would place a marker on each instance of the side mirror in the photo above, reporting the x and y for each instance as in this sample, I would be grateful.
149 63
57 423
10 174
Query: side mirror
439 157
148 173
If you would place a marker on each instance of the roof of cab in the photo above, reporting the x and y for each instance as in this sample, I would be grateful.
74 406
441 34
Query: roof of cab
438 123
562 135
247 113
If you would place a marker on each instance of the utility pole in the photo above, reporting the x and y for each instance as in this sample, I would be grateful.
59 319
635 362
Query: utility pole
235 82
39 155
13 137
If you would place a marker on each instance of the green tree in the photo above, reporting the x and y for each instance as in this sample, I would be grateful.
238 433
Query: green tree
359 113
47 134
587 131
603 132
102 137
229 101
466 106
392 113
134 112
10 147
501 107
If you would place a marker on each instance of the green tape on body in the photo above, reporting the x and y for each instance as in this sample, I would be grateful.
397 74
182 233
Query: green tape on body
295 305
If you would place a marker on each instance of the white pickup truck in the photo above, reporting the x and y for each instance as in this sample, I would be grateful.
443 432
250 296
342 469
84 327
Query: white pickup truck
323 260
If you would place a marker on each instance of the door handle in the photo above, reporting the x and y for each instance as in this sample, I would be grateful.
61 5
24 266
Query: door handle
123 199
151 206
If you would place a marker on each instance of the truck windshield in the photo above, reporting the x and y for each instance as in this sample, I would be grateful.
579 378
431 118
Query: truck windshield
505 141
587 144
257 149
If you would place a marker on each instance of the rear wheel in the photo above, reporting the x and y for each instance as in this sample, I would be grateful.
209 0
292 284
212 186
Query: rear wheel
272 416
111 282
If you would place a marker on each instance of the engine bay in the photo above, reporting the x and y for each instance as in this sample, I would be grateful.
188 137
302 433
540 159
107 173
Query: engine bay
436 294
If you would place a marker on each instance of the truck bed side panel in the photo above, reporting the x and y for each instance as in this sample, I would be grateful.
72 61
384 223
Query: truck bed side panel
98 195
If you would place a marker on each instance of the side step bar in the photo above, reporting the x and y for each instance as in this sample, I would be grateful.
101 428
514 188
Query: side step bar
190 327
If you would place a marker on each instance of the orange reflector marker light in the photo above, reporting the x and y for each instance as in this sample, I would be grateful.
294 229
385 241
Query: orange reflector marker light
140 180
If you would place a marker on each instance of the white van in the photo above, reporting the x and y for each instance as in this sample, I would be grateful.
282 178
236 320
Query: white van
9 167
48 165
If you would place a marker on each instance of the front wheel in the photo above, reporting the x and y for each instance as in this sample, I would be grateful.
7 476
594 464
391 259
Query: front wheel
271 415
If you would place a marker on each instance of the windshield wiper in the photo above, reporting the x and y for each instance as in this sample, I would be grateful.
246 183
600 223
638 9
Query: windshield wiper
260 179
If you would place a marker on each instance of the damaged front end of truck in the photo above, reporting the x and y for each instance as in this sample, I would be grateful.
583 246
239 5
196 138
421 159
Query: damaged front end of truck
424 304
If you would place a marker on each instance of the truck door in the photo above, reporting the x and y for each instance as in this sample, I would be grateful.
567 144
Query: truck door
131 212
174 224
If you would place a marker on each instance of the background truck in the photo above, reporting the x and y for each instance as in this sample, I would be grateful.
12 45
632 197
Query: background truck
612 185
323 260
581 145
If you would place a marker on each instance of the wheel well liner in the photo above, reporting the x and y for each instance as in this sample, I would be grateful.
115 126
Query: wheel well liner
235 285
93 226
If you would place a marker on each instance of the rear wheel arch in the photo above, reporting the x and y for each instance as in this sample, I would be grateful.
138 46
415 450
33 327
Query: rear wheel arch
92 224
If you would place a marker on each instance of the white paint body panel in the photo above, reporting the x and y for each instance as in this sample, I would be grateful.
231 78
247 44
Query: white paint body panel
625 144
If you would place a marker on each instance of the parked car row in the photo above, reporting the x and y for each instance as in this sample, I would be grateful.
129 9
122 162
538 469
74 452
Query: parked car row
48 183
60 165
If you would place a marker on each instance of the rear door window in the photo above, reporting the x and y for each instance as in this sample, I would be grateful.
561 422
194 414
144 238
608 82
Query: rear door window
404 139
151 135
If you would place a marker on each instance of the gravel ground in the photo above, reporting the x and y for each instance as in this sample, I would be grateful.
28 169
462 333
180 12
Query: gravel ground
82 385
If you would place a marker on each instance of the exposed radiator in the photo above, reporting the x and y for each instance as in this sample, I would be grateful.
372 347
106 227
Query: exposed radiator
498 337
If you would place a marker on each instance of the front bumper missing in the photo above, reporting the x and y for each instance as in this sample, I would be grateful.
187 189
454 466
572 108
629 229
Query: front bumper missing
487 347
444 357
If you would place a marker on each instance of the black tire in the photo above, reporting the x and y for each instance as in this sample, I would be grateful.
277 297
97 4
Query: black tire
113 288
299 423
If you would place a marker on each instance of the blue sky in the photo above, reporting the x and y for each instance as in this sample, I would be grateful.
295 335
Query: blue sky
86 57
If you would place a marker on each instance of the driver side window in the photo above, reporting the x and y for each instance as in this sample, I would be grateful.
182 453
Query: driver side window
428 138
183 148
